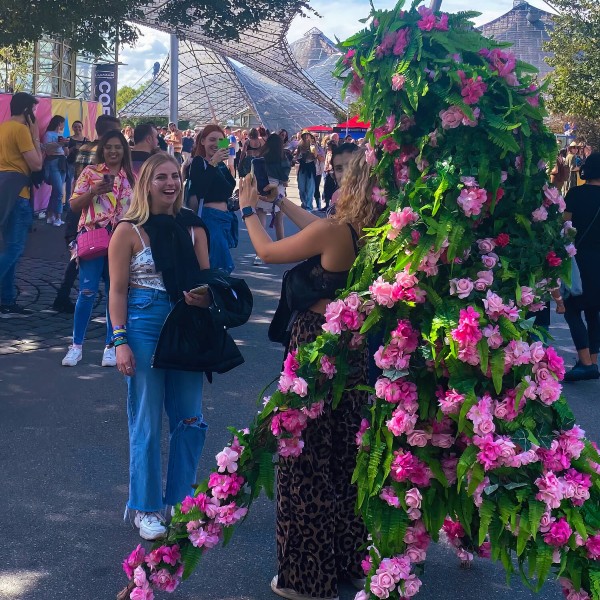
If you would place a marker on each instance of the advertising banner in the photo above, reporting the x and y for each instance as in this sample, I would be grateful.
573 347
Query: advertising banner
104 83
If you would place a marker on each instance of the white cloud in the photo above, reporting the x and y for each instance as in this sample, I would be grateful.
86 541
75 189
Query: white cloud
338 18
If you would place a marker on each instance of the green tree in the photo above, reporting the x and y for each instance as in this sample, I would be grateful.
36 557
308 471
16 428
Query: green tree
575 43
94 26
127 93
15 65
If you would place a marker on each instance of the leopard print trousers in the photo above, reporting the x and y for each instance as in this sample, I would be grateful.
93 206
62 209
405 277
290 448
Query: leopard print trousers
318 532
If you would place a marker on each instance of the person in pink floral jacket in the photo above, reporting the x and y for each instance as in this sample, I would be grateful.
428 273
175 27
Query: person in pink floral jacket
103 193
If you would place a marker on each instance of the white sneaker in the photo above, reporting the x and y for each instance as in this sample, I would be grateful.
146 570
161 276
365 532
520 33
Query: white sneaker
72 357
151 525
109 357
42 214
58 223
50 220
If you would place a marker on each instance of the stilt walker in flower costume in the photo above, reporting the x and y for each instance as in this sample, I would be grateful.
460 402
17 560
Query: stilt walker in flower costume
468 431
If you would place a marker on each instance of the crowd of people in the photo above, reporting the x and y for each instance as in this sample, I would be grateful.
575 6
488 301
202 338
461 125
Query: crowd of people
158 225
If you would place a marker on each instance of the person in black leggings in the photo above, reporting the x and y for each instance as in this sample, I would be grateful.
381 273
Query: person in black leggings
583 209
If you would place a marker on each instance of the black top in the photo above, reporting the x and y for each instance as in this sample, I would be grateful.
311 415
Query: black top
213 184
187 143
279 169
583 203
73 147
329 282
138 158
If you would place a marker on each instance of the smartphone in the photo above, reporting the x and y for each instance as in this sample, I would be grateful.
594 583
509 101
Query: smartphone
259 169
109 179
201 289
223 144
28 114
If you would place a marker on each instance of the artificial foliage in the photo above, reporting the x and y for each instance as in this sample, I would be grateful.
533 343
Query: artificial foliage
467 433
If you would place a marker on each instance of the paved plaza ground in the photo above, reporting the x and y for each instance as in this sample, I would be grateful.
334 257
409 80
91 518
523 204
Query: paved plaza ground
64 455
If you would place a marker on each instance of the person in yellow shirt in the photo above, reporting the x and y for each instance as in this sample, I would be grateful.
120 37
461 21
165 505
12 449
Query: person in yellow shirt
20 154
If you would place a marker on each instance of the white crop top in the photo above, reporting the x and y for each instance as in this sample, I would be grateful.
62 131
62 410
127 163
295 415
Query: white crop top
142 270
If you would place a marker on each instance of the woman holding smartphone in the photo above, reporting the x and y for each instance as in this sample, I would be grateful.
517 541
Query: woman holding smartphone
103 194
155 255
212 185
55 169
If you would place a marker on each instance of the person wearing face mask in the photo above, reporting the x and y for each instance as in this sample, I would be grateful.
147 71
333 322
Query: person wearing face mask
156 257
103 194
211 187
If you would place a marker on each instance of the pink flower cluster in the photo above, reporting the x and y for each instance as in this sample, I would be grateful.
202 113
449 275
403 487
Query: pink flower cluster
573 486
407 467
379 196
138 564
495 307
398 82
455 533
394 573
404 418
471 89
454 116
450 401
553 197
503 63
430 263
428 20
222 486
482 417
570 593
393 42
467 334
396 354
399 220
494 451
404 289
344 315
288 425
288 381
471 200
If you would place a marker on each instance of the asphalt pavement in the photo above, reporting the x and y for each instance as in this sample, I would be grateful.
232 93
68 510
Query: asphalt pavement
64 455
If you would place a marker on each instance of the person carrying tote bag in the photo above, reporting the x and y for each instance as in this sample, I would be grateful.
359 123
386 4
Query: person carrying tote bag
583 210
103 194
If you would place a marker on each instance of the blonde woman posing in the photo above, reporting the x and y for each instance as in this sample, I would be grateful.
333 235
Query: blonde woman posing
318 534
155 256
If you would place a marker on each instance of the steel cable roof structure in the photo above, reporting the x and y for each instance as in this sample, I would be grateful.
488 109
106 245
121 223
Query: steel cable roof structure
212 86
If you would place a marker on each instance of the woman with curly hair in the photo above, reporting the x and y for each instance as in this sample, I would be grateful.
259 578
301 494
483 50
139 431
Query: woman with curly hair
318 533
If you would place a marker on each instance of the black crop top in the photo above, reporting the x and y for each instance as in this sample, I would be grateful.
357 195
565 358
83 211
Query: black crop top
211 184
327 283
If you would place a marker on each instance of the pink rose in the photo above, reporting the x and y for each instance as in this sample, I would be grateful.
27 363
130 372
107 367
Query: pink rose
486 245
461 287
489 260
412 585
413 498
300 387
484 280
142 593
452 117
471 200
539 214
593 547
418 438
377 589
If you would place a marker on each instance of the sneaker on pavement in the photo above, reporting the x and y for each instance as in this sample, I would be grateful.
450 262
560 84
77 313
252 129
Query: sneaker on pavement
42 215
109 357
582 372
72 357
50 220
58 223
8 311
151 525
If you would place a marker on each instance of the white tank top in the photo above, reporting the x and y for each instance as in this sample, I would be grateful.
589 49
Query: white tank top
142 270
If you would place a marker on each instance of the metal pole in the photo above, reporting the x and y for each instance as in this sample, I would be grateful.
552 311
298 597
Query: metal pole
174 79
435 5
116 82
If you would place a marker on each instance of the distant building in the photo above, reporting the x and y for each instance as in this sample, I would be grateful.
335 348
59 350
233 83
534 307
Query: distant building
526 28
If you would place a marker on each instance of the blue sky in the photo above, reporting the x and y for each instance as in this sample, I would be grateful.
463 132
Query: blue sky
154 45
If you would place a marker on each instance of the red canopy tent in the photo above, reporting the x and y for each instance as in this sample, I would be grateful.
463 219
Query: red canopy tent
353 123
318 129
